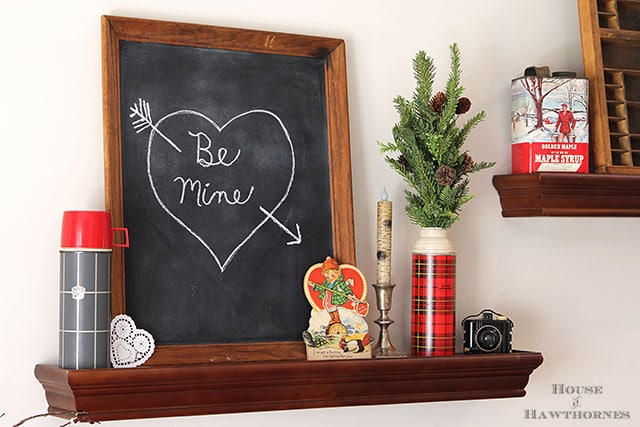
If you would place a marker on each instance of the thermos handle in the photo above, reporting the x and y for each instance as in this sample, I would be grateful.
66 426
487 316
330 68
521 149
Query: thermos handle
126 238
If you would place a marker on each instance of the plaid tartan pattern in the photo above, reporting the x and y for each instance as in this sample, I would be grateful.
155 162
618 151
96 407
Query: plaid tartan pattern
433 305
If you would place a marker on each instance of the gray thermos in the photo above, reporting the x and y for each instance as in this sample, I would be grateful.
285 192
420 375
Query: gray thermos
85 288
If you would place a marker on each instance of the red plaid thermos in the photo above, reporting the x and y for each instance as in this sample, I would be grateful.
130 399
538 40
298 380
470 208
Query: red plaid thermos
433 294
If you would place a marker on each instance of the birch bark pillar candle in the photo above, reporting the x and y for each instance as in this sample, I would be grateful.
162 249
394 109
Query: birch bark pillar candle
383 286
383 240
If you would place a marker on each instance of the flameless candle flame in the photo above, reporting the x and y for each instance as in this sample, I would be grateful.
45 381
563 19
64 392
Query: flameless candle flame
383 247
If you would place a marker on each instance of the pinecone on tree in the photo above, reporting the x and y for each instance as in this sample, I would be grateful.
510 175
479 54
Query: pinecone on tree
437 102
464 105
404 162
467 163
445 175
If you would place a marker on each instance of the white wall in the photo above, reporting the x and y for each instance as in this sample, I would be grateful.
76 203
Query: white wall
569 284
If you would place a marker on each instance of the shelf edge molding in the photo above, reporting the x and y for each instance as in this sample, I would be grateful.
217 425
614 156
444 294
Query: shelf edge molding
568 194
182 390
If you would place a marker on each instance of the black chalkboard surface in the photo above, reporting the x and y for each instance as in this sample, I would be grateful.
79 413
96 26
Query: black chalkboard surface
224 166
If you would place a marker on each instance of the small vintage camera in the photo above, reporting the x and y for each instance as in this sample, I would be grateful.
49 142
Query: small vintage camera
487 332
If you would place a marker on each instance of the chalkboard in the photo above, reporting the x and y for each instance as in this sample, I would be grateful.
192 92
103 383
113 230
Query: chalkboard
227 158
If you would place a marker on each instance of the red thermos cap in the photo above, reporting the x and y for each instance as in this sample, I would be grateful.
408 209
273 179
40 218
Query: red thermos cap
89 230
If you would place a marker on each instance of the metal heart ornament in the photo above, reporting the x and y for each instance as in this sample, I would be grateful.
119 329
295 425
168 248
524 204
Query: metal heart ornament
130 346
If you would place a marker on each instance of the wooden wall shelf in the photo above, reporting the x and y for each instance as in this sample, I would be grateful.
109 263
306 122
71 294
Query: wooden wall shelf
568 194
162 391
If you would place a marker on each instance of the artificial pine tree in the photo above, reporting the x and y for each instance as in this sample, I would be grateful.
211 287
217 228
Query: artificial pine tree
429 144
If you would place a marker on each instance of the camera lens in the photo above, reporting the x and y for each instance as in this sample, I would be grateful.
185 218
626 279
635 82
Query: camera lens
488 338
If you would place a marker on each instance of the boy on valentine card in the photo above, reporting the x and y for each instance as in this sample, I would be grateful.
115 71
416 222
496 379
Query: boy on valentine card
334 291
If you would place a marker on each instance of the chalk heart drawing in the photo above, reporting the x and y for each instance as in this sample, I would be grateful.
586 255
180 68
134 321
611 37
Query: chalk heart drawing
213 179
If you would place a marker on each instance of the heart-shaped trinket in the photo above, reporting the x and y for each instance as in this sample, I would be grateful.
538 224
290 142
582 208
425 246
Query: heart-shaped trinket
130 346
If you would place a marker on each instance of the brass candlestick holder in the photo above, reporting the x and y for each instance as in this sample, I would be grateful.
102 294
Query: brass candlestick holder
383 347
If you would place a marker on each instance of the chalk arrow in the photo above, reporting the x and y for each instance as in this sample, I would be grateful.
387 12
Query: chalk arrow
142 115
297 238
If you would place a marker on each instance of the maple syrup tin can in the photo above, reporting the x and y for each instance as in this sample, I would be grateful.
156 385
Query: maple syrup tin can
549 124
85 289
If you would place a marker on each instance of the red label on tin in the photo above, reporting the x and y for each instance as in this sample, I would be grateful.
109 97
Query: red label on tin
529 157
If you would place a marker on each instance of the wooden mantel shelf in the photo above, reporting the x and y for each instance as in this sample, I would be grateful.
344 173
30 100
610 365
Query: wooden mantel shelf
162 391
568 194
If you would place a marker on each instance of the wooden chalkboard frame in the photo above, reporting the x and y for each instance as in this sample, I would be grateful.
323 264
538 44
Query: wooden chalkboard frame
332 53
